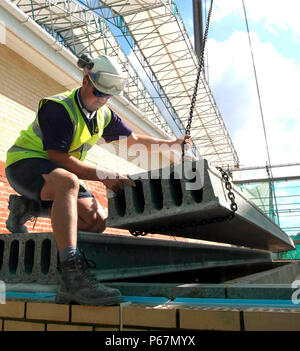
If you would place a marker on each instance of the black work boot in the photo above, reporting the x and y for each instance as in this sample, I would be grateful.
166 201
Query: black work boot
79 286
21 210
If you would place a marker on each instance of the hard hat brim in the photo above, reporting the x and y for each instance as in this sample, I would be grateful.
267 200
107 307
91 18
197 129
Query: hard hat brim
108 83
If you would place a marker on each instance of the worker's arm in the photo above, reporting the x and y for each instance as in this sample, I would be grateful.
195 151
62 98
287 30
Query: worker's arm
113 181
148 140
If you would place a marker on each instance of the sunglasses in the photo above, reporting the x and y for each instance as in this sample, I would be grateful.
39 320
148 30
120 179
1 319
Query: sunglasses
112 82
98 93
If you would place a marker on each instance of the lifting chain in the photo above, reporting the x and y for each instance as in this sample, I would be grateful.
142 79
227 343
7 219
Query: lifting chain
138 232
200 67
233 205
231 196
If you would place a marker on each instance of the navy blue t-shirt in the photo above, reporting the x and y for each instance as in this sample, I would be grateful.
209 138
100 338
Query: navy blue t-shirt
57 127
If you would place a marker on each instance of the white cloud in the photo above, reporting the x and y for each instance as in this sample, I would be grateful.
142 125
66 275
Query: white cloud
277 14
232 80
222 9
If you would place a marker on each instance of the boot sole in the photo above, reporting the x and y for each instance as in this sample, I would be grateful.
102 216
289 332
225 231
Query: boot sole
65 298
13 229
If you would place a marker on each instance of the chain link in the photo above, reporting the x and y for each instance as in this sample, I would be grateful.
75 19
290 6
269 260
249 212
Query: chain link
231 196
138 232
200 67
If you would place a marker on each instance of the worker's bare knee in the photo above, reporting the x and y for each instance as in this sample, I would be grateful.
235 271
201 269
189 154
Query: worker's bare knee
68 180
59 180
96 223
97 228
100 226
91 215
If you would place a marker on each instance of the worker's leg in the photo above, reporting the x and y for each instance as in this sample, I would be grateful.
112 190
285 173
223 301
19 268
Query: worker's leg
25 177
62 187
77 285
42 181
91 215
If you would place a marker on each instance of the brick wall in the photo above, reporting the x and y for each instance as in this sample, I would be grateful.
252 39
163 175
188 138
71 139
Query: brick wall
37 316
44 316
22 86
4 193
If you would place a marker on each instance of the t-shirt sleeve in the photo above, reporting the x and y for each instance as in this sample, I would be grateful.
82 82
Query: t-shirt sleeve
115 128
56 127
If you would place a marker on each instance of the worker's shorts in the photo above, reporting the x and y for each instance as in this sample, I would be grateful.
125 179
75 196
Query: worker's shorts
25 177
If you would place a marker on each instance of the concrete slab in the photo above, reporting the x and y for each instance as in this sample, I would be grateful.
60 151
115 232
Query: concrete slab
116 257
260 291
235 303
170 291
120 257
284 274
177 207
28 257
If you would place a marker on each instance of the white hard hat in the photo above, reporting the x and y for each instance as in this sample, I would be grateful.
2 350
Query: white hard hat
106 75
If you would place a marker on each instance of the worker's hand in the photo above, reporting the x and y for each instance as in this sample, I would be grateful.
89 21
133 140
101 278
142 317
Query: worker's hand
116 182
186 139
185 142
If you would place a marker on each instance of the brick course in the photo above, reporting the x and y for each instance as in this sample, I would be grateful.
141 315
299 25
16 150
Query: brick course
45 316
13 325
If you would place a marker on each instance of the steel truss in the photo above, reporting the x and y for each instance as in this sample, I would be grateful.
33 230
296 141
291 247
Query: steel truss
156 35
83 31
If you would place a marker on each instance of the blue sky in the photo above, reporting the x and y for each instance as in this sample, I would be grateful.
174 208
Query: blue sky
275 35
284 38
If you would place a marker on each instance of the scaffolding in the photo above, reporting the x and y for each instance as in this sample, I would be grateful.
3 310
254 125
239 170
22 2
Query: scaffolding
155 34
83 31
280 201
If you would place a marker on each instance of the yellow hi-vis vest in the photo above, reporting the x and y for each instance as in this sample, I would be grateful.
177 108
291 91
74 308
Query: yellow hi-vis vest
30 142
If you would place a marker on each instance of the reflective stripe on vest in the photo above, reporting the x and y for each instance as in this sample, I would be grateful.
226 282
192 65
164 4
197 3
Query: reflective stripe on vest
36 128
17 148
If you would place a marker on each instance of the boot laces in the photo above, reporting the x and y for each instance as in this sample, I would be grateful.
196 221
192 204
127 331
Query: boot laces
84 264
89 263
33 220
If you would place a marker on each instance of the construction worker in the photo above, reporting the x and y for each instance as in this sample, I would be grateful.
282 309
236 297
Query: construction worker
46 162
